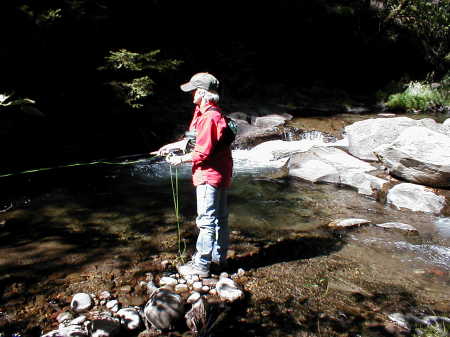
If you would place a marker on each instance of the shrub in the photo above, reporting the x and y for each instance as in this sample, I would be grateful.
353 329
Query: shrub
420 96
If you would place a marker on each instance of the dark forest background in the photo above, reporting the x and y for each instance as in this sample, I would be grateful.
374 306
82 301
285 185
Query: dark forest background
265 53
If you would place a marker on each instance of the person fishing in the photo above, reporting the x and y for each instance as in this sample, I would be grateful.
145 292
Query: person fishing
212 167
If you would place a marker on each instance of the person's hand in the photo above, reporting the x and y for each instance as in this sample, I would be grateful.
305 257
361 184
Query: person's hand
174 160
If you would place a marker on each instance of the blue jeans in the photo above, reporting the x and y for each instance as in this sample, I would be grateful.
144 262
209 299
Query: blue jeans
212 221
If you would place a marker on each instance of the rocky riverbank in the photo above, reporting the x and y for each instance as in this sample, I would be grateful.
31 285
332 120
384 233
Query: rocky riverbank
311 259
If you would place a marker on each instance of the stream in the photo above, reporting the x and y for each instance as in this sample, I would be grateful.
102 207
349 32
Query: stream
101 227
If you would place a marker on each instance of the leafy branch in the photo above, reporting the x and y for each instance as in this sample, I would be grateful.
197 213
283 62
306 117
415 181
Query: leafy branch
136 67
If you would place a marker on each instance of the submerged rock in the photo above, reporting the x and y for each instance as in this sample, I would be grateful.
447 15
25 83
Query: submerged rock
81 302
345 223
397 225
164 309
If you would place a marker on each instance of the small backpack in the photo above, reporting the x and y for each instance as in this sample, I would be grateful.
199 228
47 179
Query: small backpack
230 132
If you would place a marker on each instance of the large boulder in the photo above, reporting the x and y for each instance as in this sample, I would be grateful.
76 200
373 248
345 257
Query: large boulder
364 136
416 198
332 165
419 155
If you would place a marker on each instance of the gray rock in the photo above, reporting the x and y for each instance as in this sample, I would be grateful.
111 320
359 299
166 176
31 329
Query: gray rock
130 318
416 198
228 290
419 155
81 302
163 310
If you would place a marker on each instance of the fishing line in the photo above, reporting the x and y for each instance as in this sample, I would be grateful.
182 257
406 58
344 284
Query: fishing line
96 162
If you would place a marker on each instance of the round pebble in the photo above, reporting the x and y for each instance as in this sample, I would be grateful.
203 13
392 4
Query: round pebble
181 288
194 297
81 302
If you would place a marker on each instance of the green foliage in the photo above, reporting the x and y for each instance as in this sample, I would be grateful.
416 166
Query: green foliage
420 96
428 20
136 68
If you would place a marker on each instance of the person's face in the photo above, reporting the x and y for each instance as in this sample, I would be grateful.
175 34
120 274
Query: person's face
196 98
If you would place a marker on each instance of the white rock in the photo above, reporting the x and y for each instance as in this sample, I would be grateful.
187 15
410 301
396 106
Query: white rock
205 289
446 122
213 292
181 288
351 222
81 302
397 225
419 155
364 136
332 165
364 183
104 295
170 281
64 316
197 286
416 198
78 321
111 304
241 272
130 318
228 290
164 309
194 297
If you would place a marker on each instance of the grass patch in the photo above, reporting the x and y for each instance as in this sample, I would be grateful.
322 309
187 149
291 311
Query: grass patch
420 96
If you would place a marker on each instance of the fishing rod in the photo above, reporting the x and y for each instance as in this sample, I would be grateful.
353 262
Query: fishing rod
123 160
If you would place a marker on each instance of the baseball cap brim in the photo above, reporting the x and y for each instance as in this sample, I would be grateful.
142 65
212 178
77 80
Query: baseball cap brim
186 87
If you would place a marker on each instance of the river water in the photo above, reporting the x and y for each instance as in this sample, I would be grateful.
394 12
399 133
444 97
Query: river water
60 223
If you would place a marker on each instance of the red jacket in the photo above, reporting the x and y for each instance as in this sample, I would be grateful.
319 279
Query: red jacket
212 162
